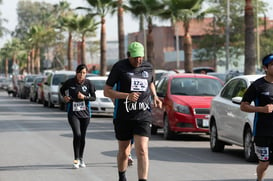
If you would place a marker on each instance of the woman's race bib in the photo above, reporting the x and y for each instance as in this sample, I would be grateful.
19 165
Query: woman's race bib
79 106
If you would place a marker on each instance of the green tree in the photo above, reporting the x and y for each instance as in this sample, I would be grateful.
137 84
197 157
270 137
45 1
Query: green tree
183 11
101 8
70 23
212 44
86 25
147 9
5 53
39 37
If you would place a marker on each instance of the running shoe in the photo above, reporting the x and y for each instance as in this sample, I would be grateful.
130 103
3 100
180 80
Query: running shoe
130 160
76 164
82 164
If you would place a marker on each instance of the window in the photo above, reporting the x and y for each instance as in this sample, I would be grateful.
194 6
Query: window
229 89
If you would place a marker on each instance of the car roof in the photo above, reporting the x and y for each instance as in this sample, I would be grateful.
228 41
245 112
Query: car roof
250 78
191 75
97 78
64 72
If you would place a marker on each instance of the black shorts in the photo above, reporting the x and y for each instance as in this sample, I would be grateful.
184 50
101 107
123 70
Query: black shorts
126 129
263 147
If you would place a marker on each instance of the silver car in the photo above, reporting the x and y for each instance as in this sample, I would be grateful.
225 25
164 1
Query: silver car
229 125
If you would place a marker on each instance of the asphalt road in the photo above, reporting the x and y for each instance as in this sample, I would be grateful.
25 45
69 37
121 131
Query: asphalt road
36 145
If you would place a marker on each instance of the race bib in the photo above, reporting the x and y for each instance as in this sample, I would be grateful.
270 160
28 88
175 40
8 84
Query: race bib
79 106
138 84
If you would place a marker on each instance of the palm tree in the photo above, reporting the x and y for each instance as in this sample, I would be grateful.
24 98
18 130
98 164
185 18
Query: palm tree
5 55
101 8
86 24
249 39
184 11
121 46
39 36
146 9
69 22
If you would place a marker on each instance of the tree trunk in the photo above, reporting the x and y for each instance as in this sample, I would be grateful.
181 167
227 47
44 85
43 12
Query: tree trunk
188 64
103 46
120 31
37 60
29 62
83 50
69 52
150 44
6 67
32 60
249 39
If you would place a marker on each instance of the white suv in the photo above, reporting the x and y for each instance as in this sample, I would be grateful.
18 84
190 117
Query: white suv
51 86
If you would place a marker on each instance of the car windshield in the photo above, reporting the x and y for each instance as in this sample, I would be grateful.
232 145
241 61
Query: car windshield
195 86
99 84
30 79
58 78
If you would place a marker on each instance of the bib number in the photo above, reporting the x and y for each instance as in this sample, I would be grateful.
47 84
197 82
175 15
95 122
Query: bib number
139 84
79 106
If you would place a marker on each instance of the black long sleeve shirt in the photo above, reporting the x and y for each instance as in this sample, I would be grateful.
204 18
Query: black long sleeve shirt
78 107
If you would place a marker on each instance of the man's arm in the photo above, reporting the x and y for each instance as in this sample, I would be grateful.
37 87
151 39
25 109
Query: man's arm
247 107
108 91
157 101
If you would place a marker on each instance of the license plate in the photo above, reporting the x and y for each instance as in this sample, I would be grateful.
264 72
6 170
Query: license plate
205 123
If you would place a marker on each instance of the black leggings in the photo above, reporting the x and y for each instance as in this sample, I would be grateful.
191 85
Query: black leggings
79 127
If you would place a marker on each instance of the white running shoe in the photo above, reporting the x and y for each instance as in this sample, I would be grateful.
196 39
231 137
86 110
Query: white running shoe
82 164
76 164
130 160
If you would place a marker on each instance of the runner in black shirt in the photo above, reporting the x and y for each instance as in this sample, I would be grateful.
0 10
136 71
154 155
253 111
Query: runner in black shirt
77 93
133 79
261 92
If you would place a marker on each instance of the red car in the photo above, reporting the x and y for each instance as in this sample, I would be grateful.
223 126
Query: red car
186 102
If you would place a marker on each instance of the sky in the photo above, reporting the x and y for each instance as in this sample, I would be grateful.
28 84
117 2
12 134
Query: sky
8 11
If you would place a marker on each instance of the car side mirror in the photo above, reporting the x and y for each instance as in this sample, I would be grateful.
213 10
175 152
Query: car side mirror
236 100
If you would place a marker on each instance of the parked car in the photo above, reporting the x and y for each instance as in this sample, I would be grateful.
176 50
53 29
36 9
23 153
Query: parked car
61 100
159 73
5 83
12 87
51 87
33 95
203 69
103 105
186 102
221 76
24 86
40 91
228 124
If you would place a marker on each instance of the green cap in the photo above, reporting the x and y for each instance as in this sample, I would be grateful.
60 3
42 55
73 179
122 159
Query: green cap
136 49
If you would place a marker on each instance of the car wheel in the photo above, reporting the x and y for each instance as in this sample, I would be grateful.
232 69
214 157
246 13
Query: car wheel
45 103
168 134
215 144
50 104
249 151
154 129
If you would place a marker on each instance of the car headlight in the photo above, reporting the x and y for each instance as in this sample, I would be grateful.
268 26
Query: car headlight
181 108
